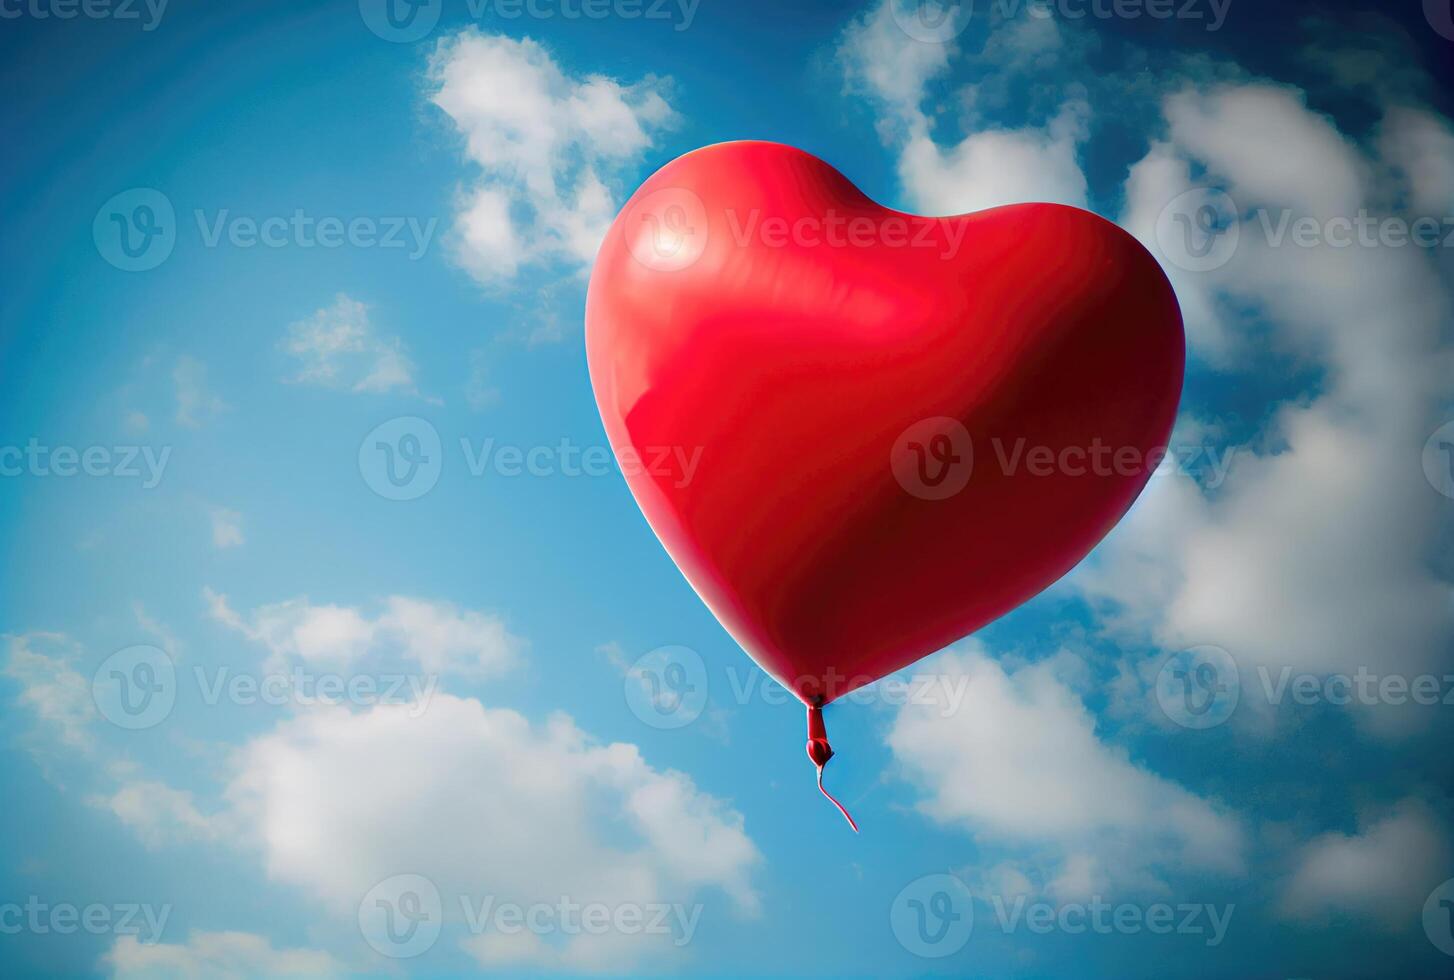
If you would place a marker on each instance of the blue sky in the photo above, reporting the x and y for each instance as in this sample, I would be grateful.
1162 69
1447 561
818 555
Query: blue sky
237 522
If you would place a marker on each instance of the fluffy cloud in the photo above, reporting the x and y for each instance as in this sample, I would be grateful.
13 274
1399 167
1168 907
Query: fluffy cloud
991 164
1316 552
549 147
157 813
1019 763
437 636
1382 874
486 804
483 803
215 956
337 347
49 686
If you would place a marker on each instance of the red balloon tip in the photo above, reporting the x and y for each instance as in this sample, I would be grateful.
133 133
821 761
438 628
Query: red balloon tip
820 752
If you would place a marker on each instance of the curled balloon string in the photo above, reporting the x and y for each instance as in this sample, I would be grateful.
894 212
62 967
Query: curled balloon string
820 752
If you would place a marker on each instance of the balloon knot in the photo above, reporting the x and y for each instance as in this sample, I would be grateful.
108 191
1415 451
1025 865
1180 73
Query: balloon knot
820 752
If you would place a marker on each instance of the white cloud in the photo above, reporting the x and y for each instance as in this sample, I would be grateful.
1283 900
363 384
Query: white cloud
1315 554
215 956
337 347
882 62
158 814
991 165
196 405
226 528
49 686
550 149
995 167
1382 874
482 802
438 636
1019 763
1419 146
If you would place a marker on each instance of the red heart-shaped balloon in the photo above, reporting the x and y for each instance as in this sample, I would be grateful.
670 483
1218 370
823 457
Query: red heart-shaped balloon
903 427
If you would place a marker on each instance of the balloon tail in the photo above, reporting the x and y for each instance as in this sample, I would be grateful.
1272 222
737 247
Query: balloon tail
846 816
820 752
